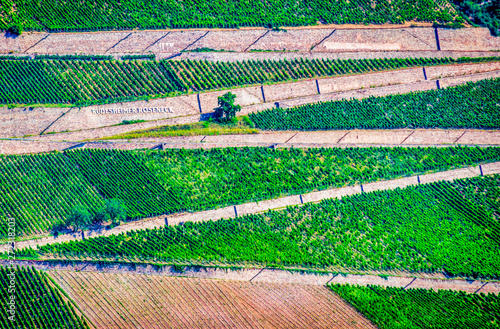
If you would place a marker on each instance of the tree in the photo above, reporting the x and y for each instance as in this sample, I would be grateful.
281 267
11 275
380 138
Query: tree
78 218
227 109
113 210
15 30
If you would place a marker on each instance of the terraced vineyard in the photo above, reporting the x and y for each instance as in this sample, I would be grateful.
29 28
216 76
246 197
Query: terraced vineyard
175 227
112 300
427 228
38 303
104 81
155 14
41 190
420 308
473 105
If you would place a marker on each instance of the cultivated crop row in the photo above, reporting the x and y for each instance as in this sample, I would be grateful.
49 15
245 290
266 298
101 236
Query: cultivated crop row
391 308
38 302
39 190
205 179
427 228
155 14
68 81
114 300
473 105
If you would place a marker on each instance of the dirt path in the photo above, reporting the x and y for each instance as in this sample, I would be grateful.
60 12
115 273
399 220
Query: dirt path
415 280
256 207
297 139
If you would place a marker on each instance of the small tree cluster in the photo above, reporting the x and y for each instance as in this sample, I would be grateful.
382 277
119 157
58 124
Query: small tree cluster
227 110
113 211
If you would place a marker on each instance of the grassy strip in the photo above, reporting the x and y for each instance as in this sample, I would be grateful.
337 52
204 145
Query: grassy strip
206 128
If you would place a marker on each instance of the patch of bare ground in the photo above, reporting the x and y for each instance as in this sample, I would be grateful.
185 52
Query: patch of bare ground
136 301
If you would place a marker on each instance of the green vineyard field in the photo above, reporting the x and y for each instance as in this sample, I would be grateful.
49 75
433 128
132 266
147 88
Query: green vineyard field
68 81
39 303
40 190
473 105
86 15
397 308
426 228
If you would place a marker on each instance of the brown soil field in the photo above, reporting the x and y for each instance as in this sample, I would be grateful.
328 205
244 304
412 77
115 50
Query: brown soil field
112 300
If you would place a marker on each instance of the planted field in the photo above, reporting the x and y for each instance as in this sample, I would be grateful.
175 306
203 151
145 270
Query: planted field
103 81
420 308
206 179
154 14
38 303
120 175
38 191
426 228
473 105
139 301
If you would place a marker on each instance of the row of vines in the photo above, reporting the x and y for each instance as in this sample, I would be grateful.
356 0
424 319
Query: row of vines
40 190
397 308
38 302
87 15
427 228
473 105
82 82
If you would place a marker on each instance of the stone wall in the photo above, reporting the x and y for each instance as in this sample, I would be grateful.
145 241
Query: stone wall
291 40
438 72
78 43
330 85
237 41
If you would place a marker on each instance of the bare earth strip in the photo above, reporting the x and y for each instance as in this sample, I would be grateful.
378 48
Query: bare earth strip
300 139
326 39
256 207
112 300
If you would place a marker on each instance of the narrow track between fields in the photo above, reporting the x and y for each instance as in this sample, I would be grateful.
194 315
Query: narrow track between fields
268 275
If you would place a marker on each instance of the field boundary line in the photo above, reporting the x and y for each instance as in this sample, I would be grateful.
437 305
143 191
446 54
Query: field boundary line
242 274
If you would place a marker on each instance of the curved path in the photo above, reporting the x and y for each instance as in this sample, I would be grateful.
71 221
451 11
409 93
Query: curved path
257 207
417 280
